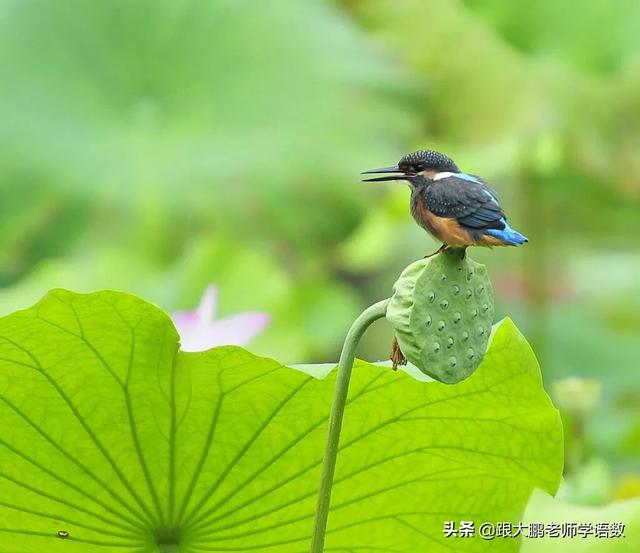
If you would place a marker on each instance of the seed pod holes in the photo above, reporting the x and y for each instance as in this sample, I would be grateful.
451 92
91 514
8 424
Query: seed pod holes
443 303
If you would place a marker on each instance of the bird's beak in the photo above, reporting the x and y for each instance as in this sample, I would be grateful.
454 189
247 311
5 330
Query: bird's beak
392 169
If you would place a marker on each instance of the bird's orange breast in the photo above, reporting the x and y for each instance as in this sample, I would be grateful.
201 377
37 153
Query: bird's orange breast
449 231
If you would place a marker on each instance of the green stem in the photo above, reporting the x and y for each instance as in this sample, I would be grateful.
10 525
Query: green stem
348 355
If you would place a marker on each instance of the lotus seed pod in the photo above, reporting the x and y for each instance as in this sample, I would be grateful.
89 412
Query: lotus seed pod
442 311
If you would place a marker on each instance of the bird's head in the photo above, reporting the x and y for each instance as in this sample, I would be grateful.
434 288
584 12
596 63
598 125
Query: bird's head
423 163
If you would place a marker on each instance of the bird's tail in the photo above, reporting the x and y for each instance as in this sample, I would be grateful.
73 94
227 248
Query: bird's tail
508 235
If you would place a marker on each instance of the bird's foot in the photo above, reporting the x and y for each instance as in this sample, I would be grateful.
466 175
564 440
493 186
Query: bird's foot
397 357
442 249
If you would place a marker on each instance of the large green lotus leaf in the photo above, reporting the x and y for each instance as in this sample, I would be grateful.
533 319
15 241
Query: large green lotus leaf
109 433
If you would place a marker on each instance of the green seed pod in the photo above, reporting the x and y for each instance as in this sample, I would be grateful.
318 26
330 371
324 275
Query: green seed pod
442 311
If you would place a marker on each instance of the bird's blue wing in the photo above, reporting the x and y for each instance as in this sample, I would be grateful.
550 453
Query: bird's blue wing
467 199
483 184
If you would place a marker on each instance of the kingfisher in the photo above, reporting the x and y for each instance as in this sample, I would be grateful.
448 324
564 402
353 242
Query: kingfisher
458 209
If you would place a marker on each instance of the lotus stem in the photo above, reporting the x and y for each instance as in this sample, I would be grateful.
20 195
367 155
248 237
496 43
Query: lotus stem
345 365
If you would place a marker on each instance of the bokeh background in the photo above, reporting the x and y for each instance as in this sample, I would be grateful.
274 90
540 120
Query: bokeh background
158 146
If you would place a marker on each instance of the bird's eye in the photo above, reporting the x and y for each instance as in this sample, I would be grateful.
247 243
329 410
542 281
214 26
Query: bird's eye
419 167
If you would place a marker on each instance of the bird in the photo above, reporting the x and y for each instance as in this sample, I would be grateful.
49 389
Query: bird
457 208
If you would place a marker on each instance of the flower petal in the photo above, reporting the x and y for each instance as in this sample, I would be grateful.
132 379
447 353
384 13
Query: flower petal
208 304
199 332
238 330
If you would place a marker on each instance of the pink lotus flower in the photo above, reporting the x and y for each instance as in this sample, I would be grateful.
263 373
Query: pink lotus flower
199 332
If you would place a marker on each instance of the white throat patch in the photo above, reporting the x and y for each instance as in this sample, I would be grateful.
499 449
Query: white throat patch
443 175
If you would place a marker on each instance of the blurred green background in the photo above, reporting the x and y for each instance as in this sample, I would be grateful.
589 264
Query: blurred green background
158 146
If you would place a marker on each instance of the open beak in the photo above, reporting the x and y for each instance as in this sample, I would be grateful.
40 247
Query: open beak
400 175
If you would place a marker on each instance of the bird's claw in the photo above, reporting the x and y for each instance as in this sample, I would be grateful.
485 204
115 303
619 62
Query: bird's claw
442 249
